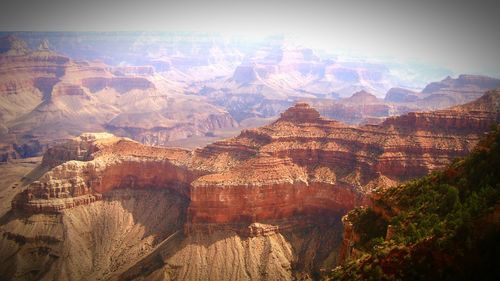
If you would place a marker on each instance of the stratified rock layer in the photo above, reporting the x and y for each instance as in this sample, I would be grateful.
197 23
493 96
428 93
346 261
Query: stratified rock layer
301 166
46 96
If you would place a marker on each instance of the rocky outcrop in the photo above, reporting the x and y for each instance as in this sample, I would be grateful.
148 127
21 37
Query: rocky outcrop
464 80
302 165
349 239
270 199
81 148
361 108
476 116
362 97
300 113
445 93
334 163
443 120
93 164
245 74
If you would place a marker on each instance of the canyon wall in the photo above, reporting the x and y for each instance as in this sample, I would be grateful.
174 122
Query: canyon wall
265 204
91 241
299 166
46 97
303 164
266 188
94 164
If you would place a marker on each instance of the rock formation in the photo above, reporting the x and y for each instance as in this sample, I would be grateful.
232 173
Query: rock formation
300 165
432 227
264 205
400 95
361 108
269 199
48 96
445 93
170 91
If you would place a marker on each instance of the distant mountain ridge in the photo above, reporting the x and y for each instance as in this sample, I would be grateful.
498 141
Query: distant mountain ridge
197 88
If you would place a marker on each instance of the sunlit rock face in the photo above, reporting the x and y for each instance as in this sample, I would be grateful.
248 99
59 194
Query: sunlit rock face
303 164
268 189
93 164
268 199
300 165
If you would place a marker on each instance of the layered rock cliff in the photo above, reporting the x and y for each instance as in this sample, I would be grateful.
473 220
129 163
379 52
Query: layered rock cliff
361 108
276 192
307 163
93 164
47 96
445 93
439 227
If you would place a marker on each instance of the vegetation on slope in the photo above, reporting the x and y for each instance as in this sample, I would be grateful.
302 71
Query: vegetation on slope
442 227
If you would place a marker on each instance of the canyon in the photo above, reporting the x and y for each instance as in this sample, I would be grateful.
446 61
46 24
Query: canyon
46 97
266 204
191 90
187 156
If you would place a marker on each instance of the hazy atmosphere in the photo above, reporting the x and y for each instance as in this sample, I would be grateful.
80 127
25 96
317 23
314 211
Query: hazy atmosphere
249 140
459 35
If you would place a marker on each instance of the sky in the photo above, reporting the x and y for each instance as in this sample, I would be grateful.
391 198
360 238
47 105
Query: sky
463 36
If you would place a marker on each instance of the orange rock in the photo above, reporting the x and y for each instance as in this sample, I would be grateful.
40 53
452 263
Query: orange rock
298 169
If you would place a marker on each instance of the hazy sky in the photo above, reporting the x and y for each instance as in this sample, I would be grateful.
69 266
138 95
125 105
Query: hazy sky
461 35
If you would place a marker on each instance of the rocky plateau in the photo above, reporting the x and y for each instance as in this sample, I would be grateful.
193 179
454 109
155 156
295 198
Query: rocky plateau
46 97
264 205
189 91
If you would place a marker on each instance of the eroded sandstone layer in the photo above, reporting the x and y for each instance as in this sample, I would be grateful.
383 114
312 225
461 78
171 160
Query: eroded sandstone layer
265 205
88 242
300 166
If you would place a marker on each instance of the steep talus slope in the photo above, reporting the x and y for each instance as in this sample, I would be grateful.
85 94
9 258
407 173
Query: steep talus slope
262 254
88 242
222 255
264 200
15 175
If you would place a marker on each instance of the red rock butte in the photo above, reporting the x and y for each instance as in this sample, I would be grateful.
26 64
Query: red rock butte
300 168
